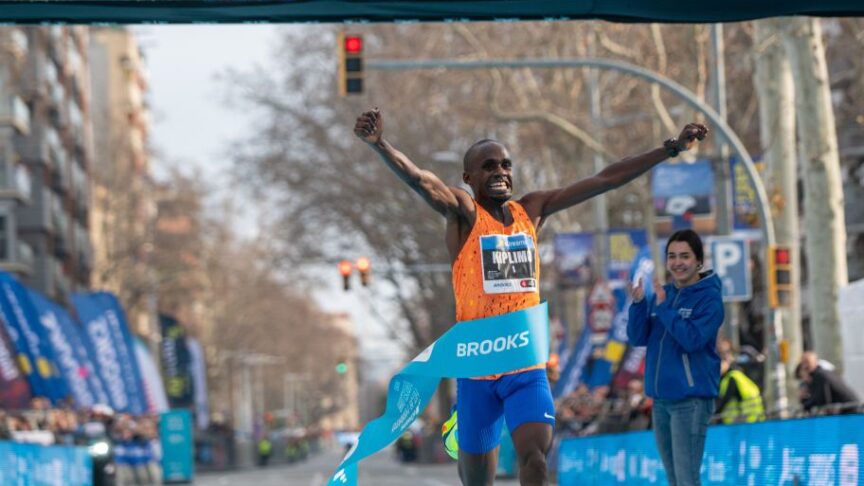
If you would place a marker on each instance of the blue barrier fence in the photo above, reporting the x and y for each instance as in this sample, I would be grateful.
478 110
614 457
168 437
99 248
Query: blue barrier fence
820 451
36 465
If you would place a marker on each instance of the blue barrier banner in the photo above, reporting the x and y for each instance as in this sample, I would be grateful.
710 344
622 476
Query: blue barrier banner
35 357
110 341
175 434
471 348
820 451
36 465
66 346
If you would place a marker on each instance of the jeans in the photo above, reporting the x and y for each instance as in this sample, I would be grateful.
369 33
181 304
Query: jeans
680 427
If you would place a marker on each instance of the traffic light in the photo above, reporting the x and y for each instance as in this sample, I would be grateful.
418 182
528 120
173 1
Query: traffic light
342 367
364 267
779 276
345 269
350 64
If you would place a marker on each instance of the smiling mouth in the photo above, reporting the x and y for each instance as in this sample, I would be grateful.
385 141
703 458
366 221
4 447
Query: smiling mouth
499 186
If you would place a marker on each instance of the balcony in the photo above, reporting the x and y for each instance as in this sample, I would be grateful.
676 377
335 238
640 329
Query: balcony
15 113
22 261
15 181
36 217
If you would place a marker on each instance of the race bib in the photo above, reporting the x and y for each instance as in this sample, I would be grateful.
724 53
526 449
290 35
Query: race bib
508 263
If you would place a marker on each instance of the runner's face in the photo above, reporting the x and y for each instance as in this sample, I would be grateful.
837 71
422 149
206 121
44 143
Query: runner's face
682 263
490 172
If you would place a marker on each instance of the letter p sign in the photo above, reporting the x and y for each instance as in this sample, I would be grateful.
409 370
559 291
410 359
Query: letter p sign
731 260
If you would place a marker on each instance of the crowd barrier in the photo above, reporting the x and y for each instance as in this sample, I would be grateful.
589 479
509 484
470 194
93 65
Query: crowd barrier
37 465
818 451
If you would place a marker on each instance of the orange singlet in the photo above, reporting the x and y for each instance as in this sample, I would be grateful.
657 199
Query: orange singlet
497 270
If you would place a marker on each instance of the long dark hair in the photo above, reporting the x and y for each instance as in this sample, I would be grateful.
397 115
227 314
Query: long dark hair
691 238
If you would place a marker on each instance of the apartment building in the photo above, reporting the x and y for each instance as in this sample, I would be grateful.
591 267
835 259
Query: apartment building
45 147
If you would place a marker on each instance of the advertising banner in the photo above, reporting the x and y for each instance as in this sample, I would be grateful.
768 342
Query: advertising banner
683 195
628 254
783 452
573 252
199 383
175 434
14 389
110 343
154 389
603 343
35 357
745 203
64 341
176 364
38 465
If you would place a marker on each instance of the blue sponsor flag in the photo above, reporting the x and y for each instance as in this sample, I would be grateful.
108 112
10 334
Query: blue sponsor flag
35 356
14 389
111 346
72 359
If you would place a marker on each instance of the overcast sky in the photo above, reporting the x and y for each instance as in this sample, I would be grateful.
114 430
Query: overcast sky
191 125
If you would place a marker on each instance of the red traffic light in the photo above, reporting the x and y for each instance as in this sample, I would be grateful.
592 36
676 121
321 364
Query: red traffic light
345 268
353 44
782 256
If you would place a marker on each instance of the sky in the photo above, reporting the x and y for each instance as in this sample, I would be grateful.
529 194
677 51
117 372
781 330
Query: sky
193 126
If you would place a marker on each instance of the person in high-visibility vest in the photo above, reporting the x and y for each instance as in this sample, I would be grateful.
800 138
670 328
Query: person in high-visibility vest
740 399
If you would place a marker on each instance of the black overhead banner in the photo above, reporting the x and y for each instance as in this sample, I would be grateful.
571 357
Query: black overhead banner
299 11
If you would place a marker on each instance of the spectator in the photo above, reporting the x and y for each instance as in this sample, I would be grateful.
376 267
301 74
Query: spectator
637 406
740 399
823 387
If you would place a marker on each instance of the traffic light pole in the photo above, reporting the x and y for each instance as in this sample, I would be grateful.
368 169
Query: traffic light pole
775 372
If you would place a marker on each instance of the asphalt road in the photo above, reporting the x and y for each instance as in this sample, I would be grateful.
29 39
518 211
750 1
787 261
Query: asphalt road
378 470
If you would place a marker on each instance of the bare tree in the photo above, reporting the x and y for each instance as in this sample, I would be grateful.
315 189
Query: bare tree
823 192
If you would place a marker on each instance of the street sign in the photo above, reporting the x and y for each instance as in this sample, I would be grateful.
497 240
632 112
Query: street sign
731 261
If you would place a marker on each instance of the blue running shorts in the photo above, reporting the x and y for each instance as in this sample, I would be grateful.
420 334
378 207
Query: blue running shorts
483 406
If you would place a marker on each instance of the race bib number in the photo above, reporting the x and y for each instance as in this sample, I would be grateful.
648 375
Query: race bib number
508 263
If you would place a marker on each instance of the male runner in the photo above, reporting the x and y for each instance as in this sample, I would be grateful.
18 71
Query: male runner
493 248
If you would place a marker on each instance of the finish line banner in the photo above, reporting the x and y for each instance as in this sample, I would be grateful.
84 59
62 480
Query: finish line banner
471 348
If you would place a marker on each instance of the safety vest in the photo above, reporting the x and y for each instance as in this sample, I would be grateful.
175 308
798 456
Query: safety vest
750 408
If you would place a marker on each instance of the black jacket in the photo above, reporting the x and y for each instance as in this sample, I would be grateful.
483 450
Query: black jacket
826 388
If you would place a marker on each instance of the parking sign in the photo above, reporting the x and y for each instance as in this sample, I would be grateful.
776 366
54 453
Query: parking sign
731 261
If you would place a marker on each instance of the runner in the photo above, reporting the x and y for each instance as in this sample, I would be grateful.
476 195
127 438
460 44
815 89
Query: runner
492 242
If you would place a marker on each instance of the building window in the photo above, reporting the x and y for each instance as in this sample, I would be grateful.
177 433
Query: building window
4 237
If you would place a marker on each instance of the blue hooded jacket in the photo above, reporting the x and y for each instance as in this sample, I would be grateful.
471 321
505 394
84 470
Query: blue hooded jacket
681 334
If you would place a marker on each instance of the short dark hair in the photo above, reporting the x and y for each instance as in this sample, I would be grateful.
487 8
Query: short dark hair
473 147
691 238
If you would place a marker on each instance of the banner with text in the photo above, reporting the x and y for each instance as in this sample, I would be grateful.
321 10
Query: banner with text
783 452
110 341
65 344
35 356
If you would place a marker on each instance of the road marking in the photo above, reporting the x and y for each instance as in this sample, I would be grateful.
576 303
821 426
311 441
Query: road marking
317 480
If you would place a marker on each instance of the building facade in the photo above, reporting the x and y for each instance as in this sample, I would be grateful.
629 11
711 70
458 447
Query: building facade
122 206
46 152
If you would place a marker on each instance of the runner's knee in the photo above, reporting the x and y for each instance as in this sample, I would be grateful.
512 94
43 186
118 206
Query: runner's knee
534 461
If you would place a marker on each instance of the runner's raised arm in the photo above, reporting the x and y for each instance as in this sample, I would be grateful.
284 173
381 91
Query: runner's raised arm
444 199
